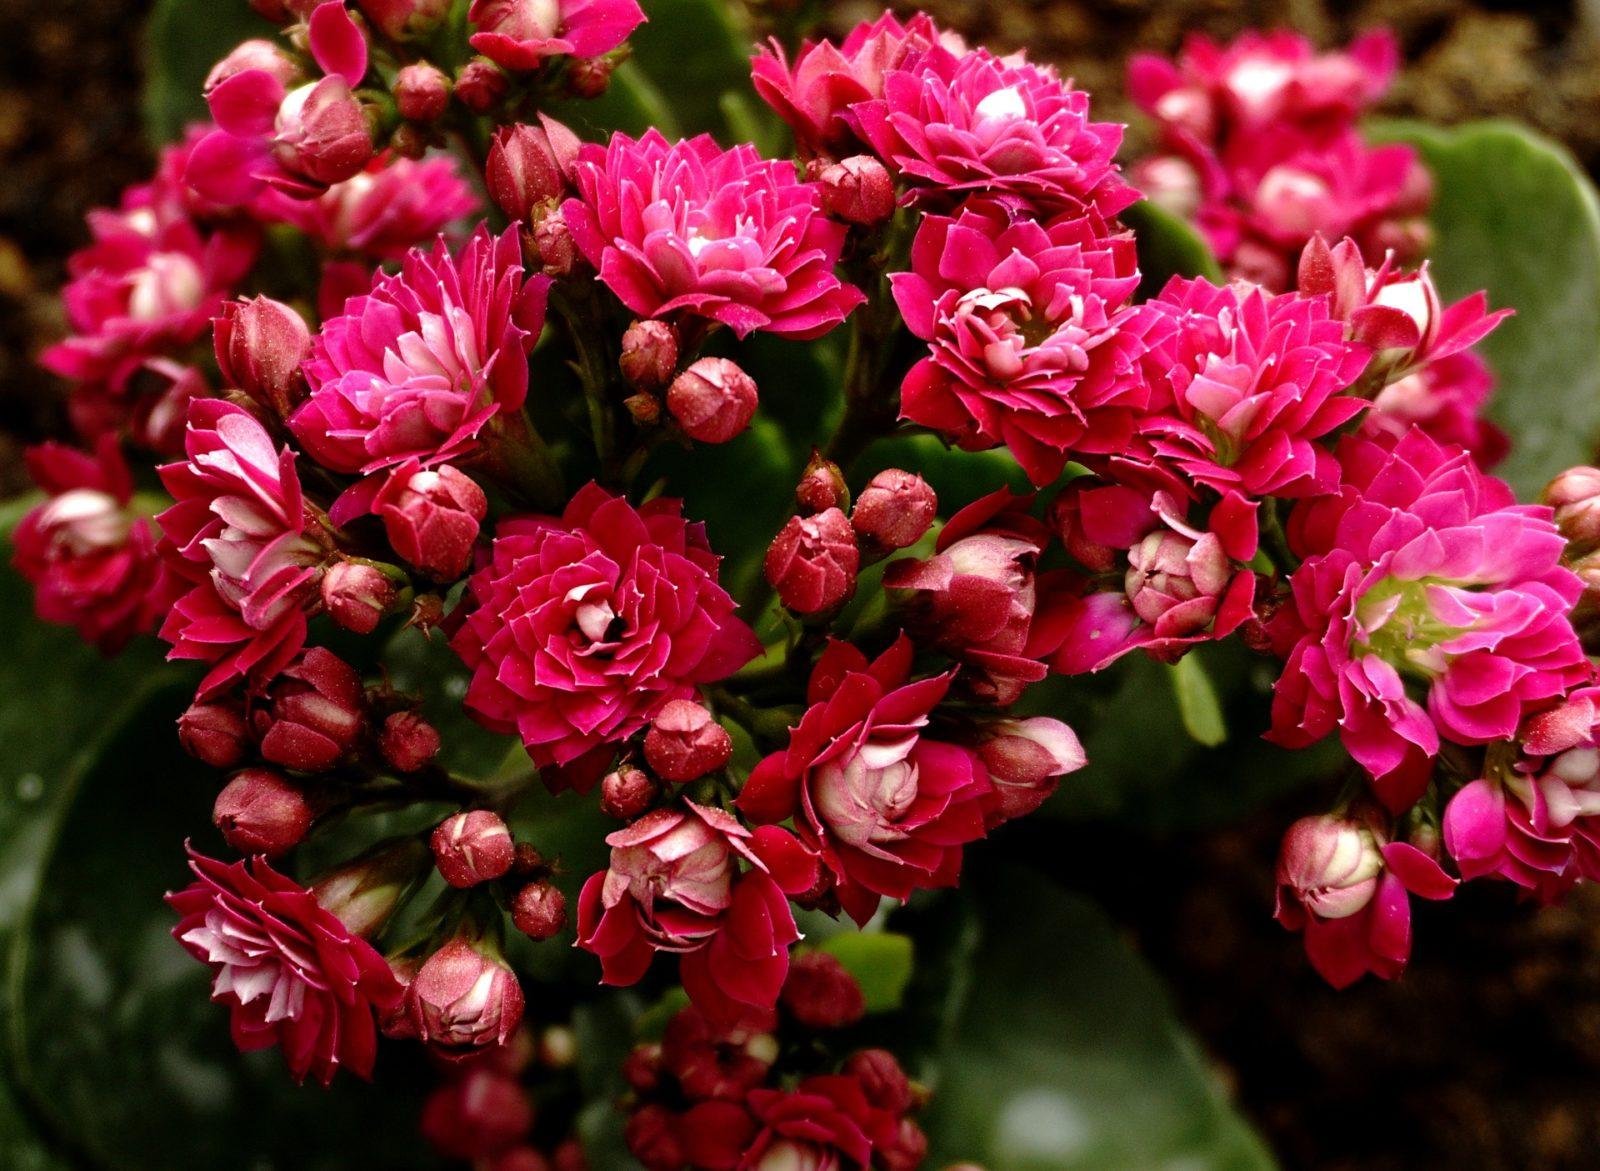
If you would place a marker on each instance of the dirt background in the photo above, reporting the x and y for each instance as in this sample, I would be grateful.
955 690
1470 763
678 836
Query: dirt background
1487 1055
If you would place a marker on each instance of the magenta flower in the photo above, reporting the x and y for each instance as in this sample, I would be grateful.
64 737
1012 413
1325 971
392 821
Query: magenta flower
689 228
290 972
420 366
581 627
1032 343
90 558
1445 400
394 205
1244 385
815 94
240 536
1429 606
520 34
953 124
887 808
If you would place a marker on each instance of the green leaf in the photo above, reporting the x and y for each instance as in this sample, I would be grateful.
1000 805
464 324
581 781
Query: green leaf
693 52
1067 1056
183 40
1198 705
881 962
1168 246
1514 214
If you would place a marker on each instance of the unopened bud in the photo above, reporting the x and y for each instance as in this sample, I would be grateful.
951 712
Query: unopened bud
260 344
894 511
1025 760
589 77
821 993
398 19
552 240
261 811
1329 866
481 84
626 793
713 400
641 1069
322 132
1575 496
215 733
313 712
528 166
421 93
821 485
408 742
464 998
364 893
882 1080
357 596
685 742
539 911
813 562
649 354
252 56
527 860
474 1116
432 517
472 847
857 190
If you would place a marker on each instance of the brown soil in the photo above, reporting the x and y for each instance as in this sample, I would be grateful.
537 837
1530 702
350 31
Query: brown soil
1487 1055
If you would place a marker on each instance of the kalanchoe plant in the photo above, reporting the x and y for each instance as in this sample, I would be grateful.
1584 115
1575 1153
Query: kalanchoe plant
390 421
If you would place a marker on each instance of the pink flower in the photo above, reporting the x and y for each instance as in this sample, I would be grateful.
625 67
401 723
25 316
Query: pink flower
290 972
953 124
581 627
1026 760
1444 400
1422 578
1183 581
520 34
1346 887
815 93
420 366
392 206
1244 385
90 558
979 599
887 808
724 235
1032 343
239 535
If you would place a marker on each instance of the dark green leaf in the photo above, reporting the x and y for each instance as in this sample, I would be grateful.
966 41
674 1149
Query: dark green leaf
1168 247
881 962
693 52
184 39
1198 705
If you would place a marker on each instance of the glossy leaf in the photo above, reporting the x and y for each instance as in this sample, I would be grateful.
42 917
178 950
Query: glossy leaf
880 961
1168 247
1198 705
694 52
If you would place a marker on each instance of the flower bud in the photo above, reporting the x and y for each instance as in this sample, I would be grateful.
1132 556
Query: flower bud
261 811
821 993
1575 495
641 1069
649 354
528 861
481 84
357 596
1329 866
552 240
1295 201
408 742
1177 576
1025 759
251 56
421 93
713 400
894 511
590 77
464 998
322 132
651 1133
432 518
904 1150
882 1080
215 733
364 893
482 1112
539 911
472 847
821 486
857 190
685 742
313 712
626 793
398 19
260 344
528 166
643 409
813 562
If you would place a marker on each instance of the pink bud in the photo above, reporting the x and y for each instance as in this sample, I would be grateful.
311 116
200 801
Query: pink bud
1329 866
528 166
1178 577
250 56
651 1133
477 1115
821 485
627 793
261 811
408 742
432 518
882 1080
473 847
813 562
313 712
322 132
1025 759
894 511
421 93
1295 201
685 742
215 733
649 354
539 911
589 77
552 240
481 84
1575 495
857 190
713 400
357 596
821 993
464 998
260 344
398 19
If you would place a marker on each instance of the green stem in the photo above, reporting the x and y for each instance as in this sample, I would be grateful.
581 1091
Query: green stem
578 310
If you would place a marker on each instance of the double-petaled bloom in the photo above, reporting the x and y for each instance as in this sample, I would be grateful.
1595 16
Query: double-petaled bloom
581 627
1429 606
690 229
1032 342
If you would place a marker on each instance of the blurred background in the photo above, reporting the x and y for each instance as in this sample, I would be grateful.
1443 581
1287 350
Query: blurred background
1487 1054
